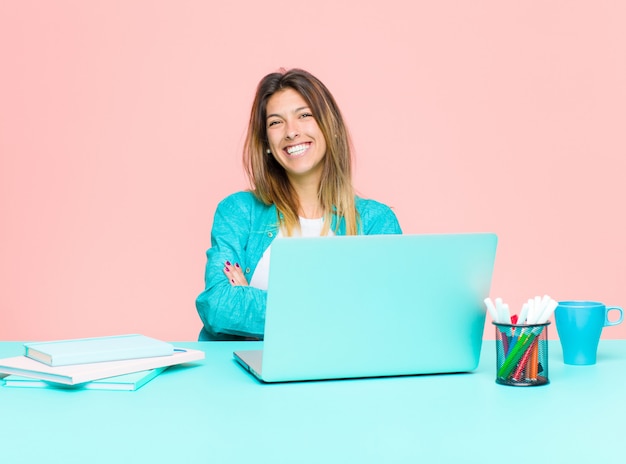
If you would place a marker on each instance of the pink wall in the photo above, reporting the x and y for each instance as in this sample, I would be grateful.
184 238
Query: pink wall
121 126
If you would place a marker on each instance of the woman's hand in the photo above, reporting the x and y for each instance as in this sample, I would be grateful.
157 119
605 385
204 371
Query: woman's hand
234 274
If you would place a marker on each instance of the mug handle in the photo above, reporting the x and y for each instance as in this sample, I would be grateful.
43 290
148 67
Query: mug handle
619 320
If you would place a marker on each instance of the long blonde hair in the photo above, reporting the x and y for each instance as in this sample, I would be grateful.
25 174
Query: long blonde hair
268 178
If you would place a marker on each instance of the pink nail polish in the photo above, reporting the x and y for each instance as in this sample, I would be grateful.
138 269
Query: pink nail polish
228 263
226 269
236 264
232 280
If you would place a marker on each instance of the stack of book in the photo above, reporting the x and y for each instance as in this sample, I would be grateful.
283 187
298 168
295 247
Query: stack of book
122 362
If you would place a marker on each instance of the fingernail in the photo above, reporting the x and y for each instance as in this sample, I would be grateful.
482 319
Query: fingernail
236 264
228 263
226 269
232 280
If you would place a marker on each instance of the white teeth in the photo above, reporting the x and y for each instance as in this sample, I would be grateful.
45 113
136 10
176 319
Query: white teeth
297 149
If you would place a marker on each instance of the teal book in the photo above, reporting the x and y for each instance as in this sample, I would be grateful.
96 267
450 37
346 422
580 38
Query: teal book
127 382
99 349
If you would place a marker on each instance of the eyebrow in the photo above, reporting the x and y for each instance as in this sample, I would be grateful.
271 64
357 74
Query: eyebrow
275 115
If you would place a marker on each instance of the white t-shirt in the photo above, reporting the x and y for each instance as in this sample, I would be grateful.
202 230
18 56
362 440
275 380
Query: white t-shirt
308 228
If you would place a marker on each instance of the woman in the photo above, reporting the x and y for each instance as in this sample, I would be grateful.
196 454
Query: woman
298 160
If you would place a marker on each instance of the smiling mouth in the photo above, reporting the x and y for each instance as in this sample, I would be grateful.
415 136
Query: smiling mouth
297 150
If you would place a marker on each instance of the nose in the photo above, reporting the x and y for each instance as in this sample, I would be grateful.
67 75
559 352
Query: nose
293 130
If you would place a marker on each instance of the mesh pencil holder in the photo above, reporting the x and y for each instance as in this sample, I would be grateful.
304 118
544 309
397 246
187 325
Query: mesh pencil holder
522 354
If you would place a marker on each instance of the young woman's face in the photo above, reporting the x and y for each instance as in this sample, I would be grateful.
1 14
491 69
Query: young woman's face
294 137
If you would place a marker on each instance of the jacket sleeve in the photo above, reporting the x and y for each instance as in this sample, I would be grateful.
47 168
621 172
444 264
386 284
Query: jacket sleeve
377 218
223 308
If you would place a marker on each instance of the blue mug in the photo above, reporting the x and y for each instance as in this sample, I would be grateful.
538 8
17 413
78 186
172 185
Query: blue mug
579 325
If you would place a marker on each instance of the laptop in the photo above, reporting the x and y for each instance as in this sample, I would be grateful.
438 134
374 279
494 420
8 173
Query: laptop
373 306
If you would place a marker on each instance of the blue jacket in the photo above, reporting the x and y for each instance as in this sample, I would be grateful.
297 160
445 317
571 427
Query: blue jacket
243 228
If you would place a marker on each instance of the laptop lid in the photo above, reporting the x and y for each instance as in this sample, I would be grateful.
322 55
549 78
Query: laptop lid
374 305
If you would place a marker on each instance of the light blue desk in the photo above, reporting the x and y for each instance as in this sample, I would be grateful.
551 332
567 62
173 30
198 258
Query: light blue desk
215 412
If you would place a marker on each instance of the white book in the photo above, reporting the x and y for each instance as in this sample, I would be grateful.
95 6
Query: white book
80 373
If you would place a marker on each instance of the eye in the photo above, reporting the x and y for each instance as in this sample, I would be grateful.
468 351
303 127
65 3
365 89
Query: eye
273 123
306 115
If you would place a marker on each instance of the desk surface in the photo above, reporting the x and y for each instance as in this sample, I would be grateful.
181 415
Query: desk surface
213 411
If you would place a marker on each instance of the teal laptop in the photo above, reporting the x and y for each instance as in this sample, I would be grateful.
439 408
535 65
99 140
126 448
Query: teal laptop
373 305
